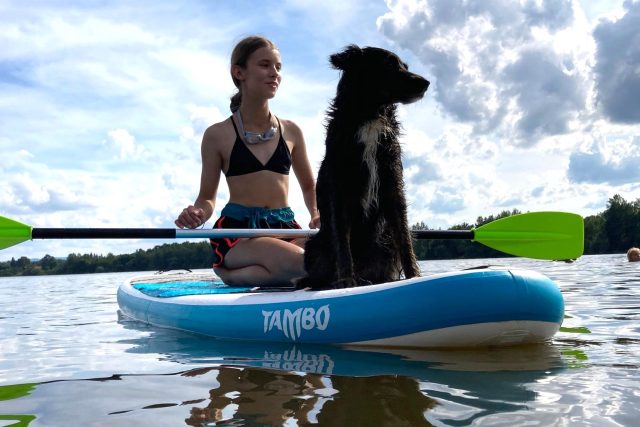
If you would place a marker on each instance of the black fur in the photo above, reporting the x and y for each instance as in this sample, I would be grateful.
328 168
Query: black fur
360 243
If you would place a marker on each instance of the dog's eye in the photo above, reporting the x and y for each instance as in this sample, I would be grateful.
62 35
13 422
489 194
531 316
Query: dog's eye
396 63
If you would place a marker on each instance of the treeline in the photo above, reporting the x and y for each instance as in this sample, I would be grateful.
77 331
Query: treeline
165 257
613 231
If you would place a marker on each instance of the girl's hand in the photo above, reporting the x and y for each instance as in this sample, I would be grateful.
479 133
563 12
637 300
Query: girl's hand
315 222
190 217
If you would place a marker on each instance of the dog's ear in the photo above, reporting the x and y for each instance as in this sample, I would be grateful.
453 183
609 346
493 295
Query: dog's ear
347 57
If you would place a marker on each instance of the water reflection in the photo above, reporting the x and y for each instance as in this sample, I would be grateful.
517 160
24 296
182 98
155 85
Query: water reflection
269 383
11 392
259 396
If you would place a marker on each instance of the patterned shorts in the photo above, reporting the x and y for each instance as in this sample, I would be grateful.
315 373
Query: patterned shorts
238 216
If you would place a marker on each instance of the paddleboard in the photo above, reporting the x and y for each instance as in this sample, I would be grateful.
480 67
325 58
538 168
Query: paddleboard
479 307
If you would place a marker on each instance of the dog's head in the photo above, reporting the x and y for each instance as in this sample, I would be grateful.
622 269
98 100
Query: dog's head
378 75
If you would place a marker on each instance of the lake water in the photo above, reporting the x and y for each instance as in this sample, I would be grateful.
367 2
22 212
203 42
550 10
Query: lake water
67 358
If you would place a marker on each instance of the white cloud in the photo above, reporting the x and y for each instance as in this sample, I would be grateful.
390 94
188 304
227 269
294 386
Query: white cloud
500 66
618 66
25 192
613 161
124 144
28 192
446 201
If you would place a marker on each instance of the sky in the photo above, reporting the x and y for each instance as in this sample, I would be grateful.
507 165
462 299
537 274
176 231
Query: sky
533 105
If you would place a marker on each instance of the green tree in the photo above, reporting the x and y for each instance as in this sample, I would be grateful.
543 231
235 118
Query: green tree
622 223
23 263
595 237
48 263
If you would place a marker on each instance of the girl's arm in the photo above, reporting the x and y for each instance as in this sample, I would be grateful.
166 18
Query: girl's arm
197 214
303 172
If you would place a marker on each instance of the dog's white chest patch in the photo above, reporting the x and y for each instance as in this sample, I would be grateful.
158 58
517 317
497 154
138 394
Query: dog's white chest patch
369 135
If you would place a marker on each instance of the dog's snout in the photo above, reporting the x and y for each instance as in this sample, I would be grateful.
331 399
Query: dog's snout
424 83
416 88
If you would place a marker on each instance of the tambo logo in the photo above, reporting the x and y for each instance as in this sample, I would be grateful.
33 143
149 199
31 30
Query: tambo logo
296 360
292 323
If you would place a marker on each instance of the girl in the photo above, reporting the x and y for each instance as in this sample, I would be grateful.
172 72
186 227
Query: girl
255 150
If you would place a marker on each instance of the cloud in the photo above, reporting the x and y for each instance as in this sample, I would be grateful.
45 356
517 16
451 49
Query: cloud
446 200
594 168
553 14
418 169
499 65
65 66
538 191
614 163
548 97
617 66
124 144
509 201
26 194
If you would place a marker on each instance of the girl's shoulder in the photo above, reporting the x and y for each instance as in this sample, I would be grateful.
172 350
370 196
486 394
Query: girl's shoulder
290 129
219 132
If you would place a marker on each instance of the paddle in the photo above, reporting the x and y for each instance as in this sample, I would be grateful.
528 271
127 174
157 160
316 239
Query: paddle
540 235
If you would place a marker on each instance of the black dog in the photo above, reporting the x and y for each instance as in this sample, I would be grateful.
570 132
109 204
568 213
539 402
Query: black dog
364 237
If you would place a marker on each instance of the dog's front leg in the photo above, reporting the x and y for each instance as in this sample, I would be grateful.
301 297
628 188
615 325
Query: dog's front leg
407 257
396 215
341 234
403 233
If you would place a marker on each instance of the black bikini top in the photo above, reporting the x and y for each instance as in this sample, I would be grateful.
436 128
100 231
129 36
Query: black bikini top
243 161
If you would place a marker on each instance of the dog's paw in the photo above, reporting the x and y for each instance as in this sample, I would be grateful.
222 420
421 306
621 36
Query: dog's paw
307 283
363 282
413 272
303 283
347 282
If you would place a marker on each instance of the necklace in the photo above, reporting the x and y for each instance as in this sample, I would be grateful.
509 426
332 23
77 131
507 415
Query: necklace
256 137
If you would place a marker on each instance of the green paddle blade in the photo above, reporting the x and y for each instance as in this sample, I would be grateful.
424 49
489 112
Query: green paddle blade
539 235
13 232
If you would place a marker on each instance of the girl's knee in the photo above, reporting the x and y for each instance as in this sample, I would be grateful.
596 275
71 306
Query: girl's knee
227 276
222 273
243 276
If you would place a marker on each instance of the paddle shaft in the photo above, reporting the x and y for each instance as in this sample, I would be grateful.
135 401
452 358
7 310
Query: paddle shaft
539 235
172 233
103 233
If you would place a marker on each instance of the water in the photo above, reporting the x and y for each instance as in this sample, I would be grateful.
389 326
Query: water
68 358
